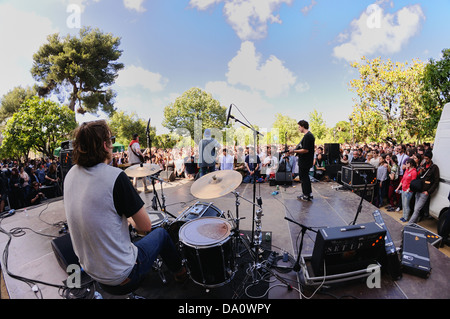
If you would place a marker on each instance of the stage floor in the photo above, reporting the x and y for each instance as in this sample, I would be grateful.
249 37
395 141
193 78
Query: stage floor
31 256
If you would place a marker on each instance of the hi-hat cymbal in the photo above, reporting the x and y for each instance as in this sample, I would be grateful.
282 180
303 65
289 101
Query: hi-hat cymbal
216 184
142 170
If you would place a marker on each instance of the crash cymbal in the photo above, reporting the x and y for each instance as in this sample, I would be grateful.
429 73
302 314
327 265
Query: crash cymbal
142 170
216 184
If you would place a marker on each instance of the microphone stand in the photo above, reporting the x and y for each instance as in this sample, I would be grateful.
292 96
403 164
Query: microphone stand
255 133
362 198
304 228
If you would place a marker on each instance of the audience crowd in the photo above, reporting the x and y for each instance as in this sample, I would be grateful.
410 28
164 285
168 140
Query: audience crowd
24 184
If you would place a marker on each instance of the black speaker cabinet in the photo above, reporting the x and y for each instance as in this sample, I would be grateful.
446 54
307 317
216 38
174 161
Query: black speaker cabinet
347 248
283 178
63 249
332 151
355 175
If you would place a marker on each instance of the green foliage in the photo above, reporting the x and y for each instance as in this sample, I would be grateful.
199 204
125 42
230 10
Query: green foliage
86 64
436 89
194 104
388 103
123 126
12 101
39 125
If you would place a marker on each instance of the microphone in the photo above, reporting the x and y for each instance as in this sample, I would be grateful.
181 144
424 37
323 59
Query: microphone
229 114
148 125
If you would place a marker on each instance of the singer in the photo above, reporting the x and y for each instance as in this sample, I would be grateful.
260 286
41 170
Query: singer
100 201
305 153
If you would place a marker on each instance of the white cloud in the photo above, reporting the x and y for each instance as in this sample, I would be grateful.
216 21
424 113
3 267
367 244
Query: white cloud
134 5
21 35
134 76
252 105
248 18
378 32
305 10
247 69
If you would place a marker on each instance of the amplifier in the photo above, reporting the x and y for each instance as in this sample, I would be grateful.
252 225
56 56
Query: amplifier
392 259
355 175
415 254
63 250
347 248
283 178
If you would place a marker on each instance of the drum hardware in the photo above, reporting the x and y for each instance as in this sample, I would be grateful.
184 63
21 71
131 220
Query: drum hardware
157 266
155 201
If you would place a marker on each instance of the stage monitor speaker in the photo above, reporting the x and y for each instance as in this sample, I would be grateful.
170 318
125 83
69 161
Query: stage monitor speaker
168 176
415 254
332 151
63 250
347 248
283 178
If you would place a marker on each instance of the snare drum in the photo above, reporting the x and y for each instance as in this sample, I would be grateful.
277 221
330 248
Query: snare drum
207 248
158 219
195 211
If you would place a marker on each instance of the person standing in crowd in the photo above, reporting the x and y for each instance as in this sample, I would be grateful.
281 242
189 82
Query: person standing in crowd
135 157
429 174
207 153
409 174
226 160
270 163
393 197
100 202
252 166
305 153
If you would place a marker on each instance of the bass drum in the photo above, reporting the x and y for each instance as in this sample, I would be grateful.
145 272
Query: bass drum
207 248
195 211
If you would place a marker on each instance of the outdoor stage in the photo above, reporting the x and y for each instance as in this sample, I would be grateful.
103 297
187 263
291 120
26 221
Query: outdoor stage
31 255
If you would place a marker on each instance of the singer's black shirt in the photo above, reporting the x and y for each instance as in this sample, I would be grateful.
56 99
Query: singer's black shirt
307 159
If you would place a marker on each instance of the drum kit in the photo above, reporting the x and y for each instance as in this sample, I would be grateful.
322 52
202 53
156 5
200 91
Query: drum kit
207 240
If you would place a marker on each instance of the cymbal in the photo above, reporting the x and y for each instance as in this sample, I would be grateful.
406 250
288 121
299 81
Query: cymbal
142 170
216 184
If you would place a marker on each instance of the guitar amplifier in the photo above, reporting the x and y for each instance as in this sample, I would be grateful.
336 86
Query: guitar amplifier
415 254
348 248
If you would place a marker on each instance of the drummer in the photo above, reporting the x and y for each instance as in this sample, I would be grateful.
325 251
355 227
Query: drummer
99 201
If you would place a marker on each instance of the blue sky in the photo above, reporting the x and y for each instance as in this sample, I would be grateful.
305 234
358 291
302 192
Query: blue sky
264 56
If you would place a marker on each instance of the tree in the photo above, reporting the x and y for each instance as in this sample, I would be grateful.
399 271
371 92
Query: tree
287 129
317 125
12 101
124 126
388 95
194 104
85 65
39 125
436 90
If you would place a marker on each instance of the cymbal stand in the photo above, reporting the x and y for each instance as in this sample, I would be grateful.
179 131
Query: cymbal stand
258 269
156 200
237 234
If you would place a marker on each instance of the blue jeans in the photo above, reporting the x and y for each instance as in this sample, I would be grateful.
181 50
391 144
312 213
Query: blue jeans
157 242
421 200
406 199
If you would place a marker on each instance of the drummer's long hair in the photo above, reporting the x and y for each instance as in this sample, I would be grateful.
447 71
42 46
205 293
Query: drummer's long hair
88 143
